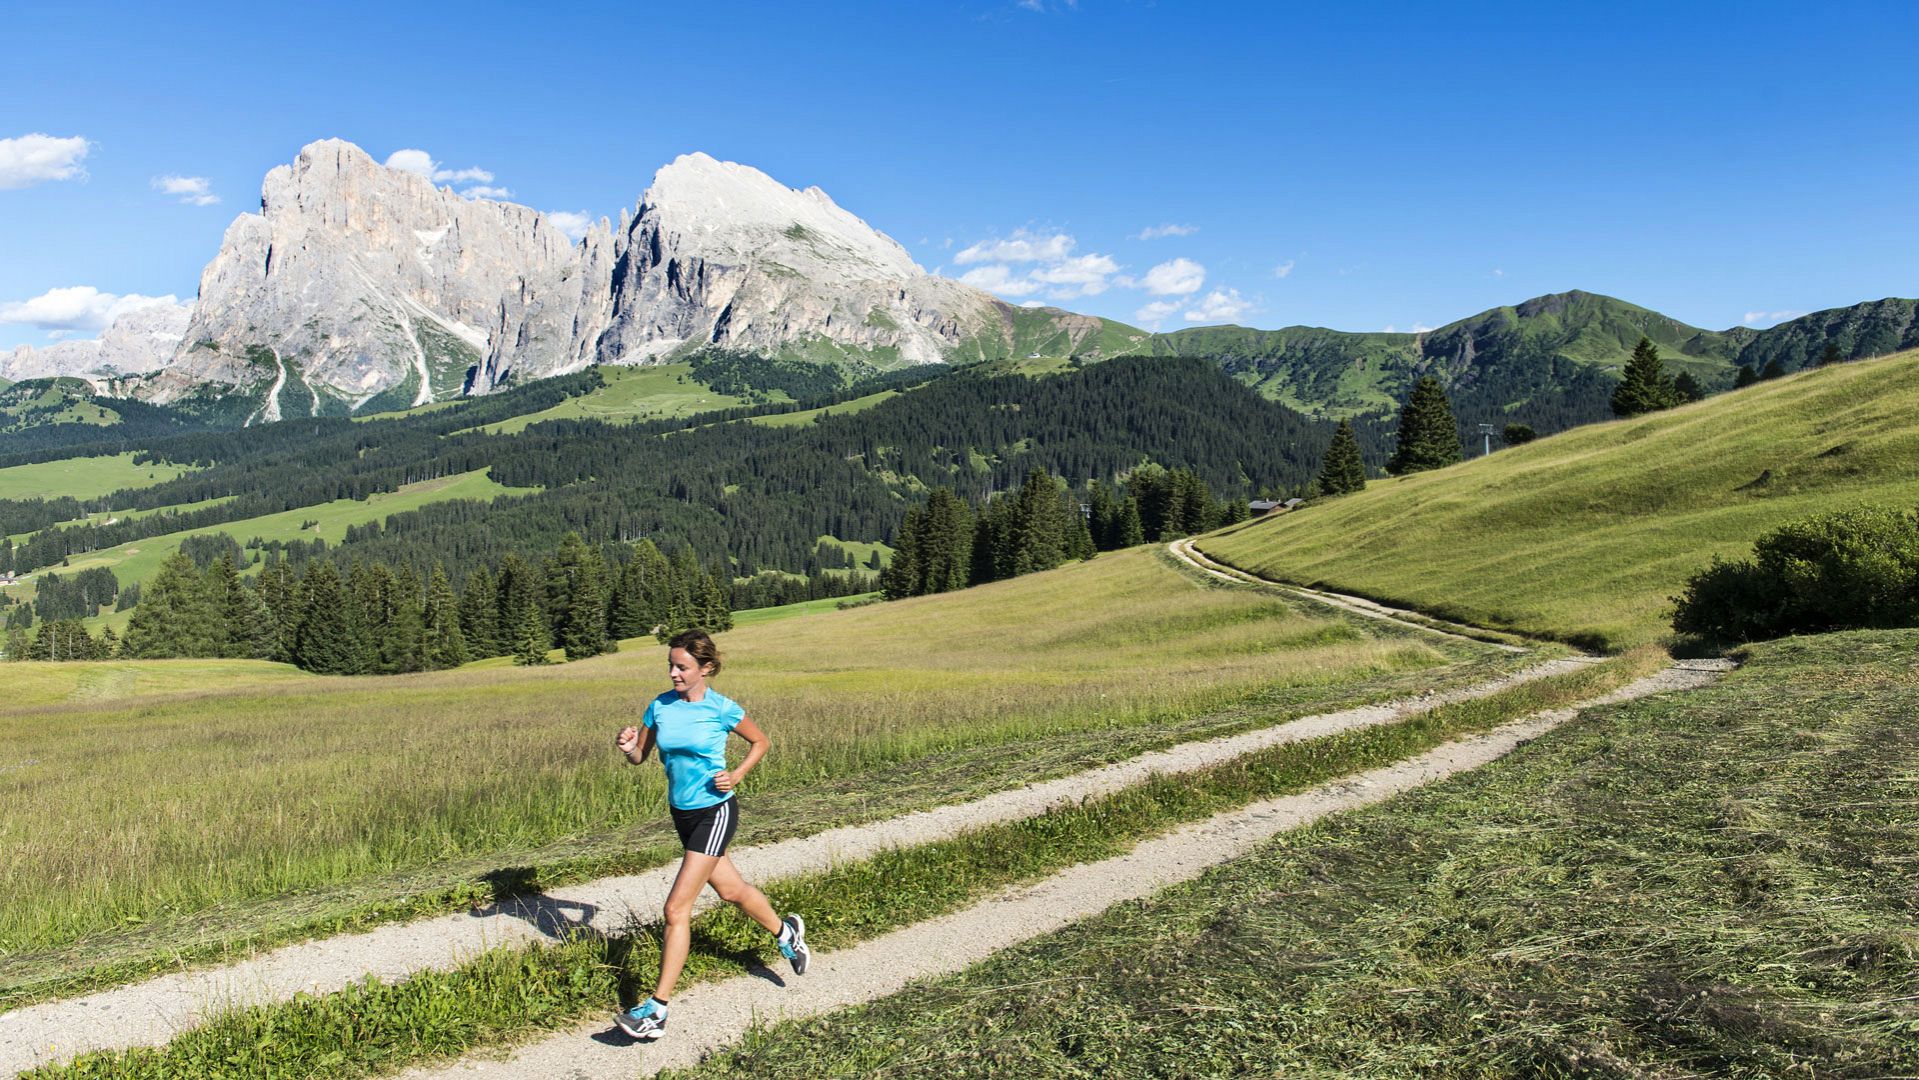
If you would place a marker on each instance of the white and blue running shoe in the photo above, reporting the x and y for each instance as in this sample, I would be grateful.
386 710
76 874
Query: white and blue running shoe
793 943
645 1021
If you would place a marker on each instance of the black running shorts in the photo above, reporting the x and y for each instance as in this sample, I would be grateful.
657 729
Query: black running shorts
709 829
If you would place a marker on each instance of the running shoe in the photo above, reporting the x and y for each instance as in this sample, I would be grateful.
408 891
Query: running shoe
793 943
645 1021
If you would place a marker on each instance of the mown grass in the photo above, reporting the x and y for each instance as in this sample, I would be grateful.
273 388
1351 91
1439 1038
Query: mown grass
83 478
510 995
649 392
756 616
1586 535
227 818
1718 883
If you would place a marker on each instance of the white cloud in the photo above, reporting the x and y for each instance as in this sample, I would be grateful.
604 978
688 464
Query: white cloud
1032 303
420 163
573 223
1417 328
1285 269
36 159
190 190
1220 305
484 192
1022 246
1060 274
1498 272
1000 280
1155 313
1175 277
77 308
1154 232
1754 318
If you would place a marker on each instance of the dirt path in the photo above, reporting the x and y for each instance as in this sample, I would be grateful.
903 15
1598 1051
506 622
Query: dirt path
707 1018
1186 552
152 1012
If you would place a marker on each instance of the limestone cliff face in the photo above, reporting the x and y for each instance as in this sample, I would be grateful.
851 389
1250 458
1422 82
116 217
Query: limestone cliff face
143 339
373 288
363 281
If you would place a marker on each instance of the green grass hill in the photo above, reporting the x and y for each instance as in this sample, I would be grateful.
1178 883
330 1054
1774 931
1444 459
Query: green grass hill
1585 536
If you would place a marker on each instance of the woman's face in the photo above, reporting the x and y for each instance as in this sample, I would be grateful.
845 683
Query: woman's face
685 671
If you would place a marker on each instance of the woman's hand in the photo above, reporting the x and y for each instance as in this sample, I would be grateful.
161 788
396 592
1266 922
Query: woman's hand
725 780
628 740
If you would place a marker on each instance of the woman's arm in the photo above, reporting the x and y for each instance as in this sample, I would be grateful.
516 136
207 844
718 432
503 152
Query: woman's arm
757 745
635 743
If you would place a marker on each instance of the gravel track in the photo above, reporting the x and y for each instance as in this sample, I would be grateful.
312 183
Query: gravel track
707 1018
152 1012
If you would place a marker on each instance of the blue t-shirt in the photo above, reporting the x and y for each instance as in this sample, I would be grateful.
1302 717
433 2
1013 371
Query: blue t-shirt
691 736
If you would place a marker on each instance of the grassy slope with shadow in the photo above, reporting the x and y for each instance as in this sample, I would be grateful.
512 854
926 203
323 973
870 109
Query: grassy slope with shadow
1716 883
1585 536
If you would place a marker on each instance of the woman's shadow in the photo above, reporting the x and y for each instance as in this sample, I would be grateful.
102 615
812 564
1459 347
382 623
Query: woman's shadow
516 895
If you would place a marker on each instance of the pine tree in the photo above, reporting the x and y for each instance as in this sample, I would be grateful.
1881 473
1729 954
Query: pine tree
1746 377
530 640
480 614
1038 534
280 591
943 544
1428 434
1643 386
1686 388
1773 370
1132 532
1830 355
445 641
327 641
1079 532
175 616
902 577
582 631
1344 471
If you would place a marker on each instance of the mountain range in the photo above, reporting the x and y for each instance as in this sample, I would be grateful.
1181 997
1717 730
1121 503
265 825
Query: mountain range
359 288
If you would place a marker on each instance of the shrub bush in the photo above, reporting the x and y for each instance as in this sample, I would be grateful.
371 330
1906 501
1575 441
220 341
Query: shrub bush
1844 570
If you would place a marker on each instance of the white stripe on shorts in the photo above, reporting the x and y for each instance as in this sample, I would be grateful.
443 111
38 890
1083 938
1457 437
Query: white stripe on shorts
718 835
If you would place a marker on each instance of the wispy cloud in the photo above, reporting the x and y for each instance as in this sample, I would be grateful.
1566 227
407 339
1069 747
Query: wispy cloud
1497 272
1770 318
574 223
39 158
1285 269
1220 305
1416 328
1152 315
420 163
1154 232
190 190
77 308
1028 263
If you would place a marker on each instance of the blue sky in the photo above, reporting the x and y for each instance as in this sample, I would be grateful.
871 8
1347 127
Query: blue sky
1379 165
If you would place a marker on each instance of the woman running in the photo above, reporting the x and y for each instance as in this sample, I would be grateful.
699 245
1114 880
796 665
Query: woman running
689 724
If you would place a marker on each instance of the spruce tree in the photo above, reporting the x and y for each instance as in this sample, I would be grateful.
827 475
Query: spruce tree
445 641
327 640
1773 370
530 640
175 616
1830 355
943 546
1643 386
1344 471
1038 528
480 614
1746 377
902 576
1687 388
1428 434
1131 532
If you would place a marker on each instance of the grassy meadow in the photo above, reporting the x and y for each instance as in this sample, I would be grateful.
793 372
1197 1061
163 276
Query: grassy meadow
238 811
1709 884
139 560
652 392
83 478
1586 535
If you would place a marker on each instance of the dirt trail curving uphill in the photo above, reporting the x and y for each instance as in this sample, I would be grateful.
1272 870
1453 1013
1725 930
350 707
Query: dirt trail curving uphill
1186 552
707 1018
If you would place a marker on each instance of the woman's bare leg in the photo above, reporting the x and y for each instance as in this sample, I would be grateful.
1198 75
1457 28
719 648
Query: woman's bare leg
734 889
695 869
